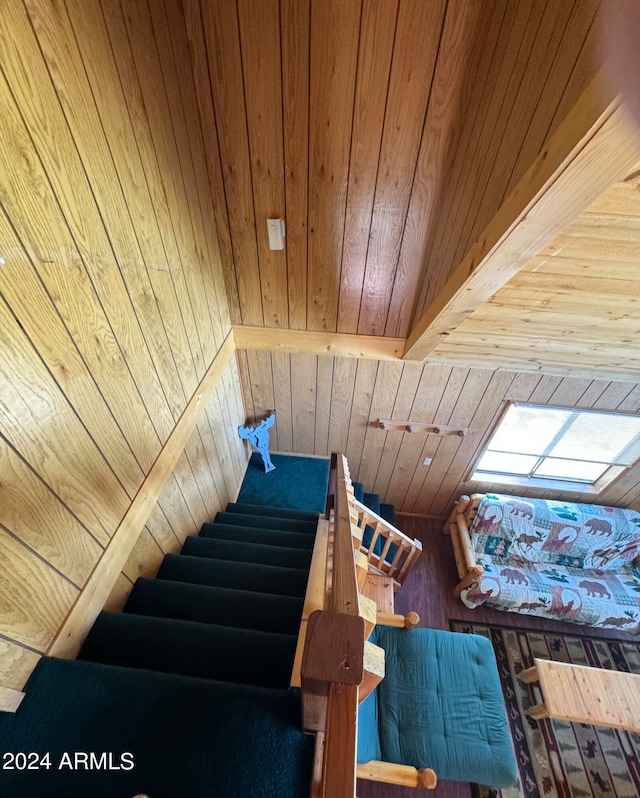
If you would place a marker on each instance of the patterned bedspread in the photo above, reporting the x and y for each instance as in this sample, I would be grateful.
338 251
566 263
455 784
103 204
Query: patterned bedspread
572 562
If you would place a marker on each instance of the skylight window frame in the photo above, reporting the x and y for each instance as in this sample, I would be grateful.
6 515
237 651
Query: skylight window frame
566 485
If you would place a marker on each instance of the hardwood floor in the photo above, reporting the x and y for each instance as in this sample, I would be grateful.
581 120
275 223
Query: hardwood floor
429 592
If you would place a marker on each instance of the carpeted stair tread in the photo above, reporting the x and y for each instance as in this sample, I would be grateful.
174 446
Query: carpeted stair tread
241 551
267 522
388 512
227 573
189 737
272 512
298 483
223 606
254 534
372 501
358 491
189 648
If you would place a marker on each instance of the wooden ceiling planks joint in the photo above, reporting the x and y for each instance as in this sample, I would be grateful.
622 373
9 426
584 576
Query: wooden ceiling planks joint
575 305
463 40
594 146
416 46
526 75
335 29
342 118
375 51
383 131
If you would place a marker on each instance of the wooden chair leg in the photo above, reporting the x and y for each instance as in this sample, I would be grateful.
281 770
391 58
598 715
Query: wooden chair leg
409 621
401 775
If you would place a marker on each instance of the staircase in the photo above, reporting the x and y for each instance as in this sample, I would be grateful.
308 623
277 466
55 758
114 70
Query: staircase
388 550
186 693
191 679
372 501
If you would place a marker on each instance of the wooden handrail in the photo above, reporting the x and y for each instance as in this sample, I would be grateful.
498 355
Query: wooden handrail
344 589
371 516
333 658
337 664
339 773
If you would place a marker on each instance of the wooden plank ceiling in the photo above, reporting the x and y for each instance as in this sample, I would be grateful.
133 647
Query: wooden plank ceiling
385 132
337 115
575 306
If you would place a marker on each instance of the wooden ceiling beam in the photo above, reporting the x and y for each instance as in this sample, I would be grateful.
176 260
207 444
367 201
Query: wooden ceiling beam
370 347
594 146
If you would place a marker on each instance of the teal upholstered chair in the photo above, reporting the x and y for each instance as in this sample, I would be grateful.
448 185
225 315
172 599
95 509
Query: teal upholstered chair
439 708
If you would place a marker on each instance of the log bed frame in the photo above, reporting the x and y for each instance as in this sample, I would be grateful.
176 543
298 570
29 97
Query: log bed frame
457 526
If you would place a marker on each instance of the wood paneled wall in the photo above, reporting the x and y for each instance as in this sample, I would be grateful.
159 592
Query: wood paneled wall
112 301
537 59
326 404
208 475
340 116
385 132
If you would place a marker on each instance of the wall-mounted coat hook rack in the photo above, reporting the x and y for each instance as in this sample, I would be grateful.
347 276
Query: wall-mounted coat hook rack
414 426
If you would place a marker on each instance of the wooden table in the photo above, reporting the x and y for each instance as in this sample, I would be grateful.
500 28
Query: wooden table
586 695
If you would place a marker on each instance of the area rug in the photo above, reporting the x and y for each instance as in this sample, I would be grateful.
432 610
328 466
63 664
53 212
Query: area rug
298 483
557 759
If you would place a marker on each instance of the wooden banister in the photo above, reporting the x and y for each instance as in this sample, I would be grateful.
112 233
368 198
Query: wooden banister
408 549
339 771
344 590
338 667
333 658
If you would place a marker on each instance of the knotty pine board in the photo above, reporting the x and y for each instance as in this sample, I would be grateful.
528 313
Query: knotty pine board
31 513
222 36
261 50
34 596
333 60
464 30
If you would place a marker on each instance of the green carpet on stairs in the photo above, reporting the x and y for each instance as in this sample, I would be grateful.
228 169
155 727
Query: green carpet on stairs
226 573
189 648
298 483
372 501
253 534
188 738
388 512
247 552
244 609
192 677
268 522
277 512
